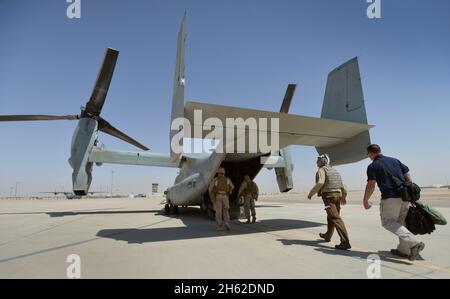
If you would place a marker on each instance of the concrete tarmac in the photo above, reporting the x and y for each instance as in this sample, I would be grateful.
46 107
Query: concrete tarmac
132 238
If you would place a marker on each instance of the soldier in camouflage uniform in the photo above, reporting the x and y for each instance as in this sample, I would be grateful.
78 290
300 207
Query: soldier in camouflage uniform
219 191
249 191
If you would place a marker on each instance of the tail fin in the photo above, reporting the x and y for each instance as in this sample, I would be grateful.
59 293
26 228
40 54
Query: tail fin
284 174
178 83
344 100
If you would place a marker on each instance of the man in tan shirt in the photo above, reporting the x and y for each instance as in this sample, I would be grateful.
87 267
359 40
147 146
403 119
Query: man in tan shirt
329 185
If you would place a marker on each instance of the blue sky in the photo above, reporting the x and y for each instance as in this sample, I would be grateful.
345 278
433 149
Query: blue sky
239 53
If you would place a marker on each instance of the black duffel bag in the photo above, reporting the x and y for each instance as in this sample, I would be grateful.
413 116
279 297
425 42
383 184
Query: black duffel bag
418 221
409 191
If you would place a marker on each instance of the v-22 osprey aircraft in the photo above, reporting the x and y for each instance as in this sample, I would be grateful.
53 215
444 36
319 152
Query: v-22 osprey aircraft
342 132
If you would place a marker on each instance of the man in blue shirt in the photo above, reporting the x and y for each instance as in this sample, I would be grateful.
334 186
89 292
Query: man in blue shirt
393 209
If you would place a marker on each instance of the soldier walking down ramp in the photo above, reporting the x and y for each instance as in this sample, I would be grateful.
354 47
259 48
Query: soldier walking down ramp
219 190
329 185
249 191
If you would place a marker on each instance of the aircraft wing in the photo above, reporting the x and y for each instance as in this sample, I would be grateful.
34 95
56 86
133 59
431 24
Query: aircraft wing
293 129
54 192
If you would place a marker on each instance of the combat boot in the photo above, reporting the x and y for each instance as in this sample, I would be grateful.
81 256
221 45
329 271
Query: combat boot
343 246
324 237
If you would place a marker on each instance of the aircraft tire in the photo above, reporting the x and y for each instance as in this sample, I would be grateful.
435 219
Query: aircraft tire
166 209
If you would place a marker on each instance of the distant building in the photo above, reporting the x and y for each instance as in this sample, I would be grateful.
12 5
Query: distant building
436 186
155 188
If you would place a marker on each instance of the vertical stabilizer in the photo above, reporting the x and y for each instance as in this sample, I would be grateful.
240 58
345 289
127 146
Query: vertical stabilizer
344 100
284 174
178 84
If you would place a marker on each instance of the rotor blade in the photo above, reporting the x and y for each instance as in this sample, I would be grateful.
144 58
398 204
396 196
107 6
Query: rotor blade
107 128
95 104
37 117
288 98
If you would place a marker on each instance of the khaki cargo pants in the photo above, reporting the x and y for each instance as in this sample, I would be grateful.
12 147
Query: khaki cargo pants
249 205
333 208
393 212
222 207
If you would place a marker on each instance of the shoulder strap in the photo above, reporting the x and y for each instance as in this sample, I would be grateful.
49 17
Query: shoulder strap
396 179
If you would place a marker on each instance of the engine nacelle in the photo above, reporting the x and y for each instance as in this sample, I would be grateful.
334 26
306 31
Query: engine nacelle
195 175
187 191
83 141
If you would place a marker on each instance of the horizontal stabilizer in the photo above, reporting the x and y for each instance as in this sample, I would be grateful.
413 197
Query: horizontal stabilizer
350 151
293 129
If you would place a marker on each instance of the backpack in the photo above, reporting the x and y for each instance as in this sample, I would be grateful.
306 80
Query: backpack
409 191
251 188
435 215
418 221
222 184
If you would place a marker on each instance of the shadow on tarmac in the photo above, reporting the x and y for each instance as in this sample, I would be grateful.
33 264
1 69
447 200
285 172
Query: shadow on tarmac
66 213
267 206
385 256
197 227
70 213
188 210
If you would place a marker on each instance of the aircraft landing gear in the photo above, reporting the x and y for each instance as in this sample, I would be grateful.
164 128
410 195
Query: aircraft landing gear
166 209
207 208
170 209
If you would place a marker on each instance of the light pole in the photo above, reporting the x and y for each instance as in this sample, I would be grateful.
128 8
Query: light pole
112 178
15 193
